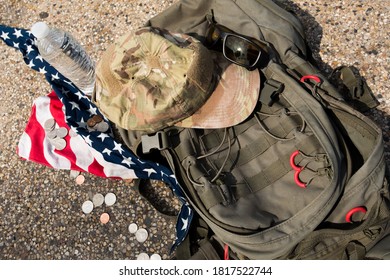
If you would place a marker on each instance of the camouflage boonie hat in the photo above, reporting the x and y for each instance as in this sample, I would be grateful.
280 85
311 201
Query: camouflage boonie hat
151 79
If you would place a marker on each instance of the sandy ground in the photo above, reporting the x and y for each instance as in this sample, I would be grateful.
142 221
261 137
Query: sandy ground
40 208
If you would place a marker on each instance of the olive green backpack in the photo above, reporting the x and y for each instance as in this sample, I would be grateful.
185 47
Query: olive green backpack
302 178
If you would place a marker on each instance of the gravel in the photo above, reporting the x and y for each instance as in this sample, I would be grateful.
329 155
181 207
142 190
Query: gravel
40 208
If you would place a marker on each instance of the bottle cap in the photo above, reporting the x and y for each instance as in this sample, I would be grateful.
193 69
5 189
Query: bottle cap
40 30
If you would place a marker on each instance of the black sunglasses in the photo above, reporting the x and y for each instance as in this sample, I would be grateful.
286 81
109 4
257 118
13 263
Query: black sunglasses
236 48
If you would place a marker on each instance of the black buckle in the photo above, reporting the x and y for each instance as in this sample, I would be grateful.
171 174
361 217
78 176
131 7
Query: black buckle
158 141
270 92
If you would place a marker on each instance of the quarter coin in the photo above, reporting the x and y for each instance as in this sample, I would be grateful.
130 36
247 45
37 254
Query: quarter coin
49 124
143 257
62 132
155 257
110 199
74 173
102 127
87 207
52 134
133 228
98 200
59 143
141 235
72 133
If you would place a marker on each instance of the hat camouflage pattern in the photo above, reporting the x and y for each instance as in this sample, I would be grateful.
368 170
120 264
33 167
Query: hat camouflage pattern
151 79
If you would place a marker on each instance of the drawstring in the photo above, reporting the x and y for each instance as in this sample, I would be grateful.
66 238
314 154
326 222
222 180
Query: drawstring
287 112
210 154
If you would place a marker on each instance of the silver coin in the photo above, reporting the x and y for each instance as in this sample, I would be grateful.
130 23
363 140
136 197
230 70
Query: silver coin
102 127
91 129
49 124
98 199
51 134
133 228
87 207
143 257
155 257
72 133
74 174
110 199
62 132
59 143
141 235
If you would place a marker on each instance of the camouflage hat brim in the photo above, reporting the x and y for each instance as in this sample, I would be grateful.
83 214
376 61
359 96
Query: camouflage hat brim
151 79
233 100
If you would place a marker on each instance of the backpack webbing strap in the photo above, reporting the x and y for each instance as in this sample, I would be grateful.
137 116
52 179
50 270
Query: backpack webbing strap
360 95
354 251
213 196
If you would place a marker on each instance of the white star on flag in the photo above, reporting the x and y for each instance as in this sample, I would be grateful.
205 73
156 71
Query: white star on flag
150 171
107 151
4 35
74 105
118 147
18 33
185 224
103 136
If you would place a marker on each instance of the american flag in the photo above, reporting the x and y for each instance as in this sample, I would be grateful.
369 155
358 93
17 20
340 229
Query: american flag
107 157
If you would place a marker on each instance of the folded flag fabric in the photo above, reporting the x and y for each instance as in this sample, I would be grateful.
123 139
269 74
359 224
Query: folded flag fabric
105 156
35 143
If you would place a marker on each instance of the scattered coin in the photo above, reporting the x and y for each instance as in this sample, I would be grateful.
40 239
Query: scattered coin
62 132
96 123
55 136
155 257
87 207
104 218
97 118
143 256
72 133
49 124
80 179
91 122
98 200
74 174
141 235
59 143
52 134
133 228
110 199
102 127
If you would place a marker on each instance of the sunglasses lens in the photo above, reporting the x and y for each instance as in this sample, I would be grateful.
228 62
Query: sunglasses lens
241 51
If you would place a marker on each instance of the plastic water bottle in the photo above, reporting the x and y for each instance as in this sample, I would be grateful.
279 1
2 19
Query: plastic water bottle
65 54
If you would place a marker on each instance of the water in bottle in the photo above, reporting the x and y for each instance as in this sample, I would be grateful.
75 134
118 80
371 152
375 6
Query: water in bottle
65 54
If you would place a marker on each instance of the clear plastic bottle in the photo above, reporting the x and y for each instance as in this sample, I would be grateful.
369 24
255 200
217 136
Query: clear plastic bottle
64 53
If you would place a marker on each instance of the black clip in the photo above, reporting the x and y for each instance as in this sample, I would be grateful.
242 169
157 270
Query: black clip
158 141
270 92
